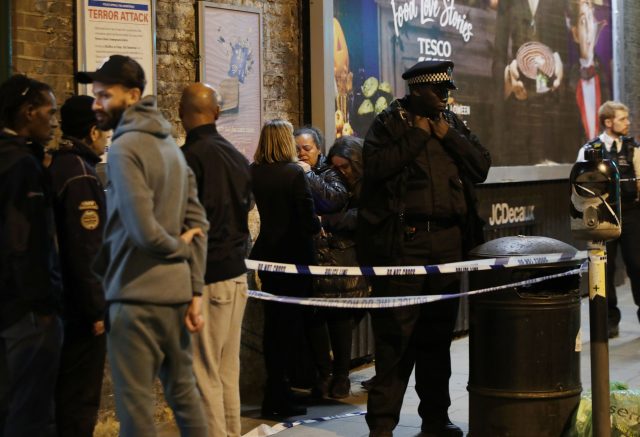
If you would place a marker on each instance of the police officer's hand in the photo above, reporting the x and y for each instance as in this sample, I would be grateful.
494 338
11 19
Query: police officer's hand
187 237
422 123
440 127
98 328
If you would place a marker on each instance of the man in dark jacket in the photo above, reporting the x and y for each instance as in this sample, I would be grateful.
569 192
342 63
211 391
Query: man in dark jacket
224 189
417 207
625 152
30 330
79 206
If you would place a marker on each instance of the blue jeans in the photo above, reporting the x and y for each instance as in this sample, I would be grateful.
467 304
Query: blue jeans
146 341
29 358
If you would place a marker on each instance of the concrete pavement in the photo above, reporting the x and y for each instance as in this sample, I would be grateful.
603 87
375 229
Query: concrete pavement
624 353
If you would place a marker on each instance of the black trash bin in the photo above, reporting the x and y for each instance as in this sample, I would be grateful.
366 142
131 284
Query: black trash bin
524 344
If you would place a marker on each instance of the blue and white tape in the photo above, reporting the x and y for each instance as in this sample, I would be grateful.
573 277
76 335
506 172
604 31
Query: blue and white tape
399 301
456 267
265 430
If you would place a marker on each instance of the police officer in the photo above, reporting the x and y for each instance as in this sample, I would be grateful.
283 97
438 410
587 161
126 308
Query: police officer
417 207
79 207
623 150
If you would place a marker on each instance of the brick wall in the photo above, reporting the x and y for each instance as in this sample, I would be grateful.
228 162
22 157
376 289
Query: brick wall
43 47
43 43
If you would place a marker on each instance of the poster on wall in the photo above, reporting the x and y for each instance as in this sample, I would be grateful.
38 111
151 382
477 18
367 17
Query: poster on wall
230 61
531 74
108 28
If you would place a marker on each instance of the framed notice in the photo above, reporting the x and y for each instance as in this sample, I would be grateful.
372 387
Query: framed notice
230 43
106 28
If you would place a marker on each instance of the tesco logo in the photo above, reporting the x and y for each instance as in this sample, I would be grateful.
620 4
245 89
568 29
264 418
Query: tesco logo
503 214
435 47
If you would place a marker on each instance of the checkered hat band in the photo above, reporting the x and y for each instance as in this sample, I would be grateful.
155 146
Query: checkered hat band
430 78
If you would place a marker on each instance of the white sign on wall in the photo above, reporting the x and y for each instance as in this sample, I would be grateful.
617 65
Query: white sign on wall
108 28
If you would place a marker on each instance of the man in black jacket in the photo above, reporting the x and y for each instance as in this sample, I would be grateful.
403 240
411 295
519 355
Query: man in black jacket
625 152
80 210
417 207
30 330
224 189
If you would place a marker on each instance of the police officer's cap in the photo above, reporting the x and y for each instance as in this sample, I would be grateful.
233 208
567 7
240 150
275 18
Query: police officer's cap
430 73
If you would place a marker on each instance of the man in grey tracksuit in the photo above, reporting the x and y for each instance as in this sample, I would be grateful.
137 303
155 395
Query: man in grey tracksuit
152 262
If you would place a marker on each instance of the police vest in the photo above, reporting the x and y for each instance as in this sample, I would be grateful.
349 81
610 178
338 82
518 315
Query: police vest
624 160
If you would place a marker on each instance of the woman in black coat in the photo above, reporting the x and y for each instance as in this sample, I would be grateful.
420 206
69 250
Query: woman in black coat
287 226
330 329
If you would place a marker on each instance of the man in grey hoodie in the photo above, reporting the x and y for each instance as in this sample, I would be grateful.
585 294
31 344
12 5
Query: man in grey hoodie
152 261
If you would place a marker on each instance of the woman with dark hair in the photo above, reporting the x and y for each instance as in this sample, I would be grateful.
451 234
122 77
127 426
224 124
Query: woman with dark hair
332 328
30 330
327 187
287 226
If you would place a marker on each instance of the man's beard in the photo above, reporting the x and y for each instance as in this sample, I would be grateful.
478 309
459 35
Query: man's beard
110 119
621 133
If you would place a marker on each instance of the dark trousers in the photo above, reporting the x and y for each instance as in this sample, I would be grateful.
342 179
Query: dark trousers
283 332
79 380
330 330
629 242
29 356
417 335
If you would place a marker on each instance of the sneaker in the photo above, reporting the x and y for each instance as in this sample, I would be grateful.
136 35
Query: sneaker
340 387
614 331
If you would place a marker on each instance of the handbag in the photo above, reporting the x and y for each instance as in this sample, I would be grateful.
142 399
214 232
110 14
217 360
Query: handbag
338 250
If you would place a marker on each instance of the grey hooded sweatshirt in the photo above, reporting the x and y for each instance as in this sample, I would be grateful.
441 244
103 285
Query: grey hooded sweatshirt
151 199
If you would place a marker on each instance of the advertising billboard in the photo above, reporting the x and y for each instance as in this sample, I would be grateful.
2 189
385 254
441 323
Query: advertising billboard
531 74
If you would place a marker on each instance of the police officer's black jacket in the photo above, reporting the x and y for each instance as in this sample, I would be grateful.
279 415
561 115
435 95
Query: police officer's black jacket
391 148
624 160
224 189
27 256
80 211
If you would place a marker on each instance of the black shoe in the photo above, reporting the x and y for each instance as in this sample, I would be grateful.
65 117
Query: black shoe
367 383
340 387
381 434
321 387
614 331
279 412
440 428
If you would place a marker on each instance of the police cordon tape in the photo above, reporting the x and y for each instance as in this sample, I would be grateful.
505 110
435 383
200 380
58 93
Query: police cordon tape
400 301
265 430
456 267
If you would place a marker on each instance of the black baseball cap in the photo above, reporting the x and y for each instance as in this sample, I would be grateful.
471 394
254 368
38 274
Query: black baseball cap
430 73
117 70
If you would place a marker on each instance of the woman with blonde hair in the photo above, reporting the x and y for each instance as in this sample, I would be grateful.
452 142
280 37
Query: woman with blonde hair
287 226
